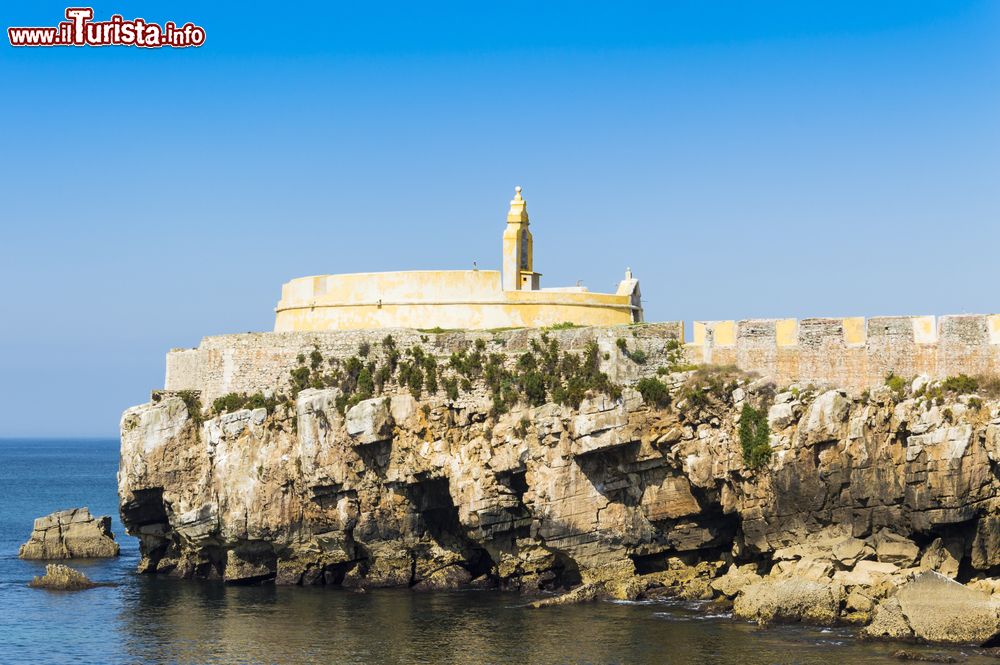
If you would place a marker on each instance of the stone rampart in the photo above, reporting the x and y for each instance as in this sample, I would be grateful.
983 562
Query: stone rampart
851 353
246 363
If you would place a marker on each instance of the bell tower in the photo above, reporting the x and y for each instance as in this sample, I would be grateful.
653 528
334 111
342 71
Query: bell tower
518 270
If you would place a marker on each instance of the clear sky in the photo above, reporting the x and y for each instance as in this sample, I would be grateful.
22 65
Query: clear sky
746 159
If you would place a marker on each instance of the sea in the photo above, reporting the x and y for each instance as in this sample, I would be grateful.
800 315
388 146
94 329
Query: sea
145 619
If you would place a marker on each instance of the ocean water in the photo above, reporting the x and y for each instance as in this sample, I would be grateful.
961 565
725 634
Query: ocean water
142 619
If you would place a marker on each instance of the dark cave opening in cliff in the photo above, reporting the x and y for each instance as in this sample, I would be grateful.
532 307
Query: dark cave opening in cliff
439 517
145 509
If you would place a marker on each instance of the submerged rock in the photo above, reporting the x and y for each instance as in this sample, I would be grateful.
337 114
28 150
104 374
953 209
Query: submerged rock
58 577
70 534
904 654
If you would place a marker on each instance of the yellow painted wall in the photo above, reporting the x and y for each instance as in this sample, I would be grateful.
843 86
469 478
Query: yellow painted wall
993 328
786 332
723 332
467 299
854 330
924 330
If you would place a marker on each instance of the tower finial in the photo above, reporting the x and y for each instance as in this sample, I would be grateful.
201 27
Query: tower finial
518 208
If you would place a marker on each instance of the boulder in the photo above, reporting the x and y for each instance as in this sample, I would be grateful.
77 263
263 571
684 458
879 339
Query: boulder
735 579
788 600
942 556
895 549
941 610
70 534
866 573
369 421
888 622
851 550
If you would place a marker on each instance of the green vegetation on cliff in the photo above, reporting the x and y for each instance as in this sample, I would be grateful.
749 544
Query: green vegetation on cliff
754 437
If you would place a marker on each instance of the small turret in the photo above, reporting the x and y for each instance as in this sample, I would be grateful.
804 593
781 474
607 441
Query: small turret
630 287
518 270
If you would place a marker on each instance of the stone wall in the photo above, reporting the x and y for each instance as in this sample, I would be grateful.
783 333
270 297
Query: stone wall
851 353
246 363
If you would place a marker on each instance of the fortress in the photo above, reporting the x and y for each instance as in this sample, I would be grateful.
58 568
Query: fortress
449 299
444 311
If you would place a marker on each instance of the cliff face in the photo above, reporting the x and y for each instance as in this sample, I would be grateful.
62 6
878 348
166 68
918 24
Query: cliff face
623 493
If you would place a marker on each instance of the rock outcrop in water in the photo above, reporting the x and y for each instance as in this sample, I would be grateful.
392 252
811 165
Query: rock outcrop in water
70 534
58 577
853 510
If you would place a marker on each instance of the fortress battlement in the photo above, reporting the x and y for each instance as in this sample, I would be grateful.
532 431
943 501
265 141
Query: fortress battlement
852 352
445 310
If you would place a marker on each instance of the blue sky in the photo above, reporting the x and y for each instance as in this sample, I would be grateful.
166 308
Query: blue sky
746 159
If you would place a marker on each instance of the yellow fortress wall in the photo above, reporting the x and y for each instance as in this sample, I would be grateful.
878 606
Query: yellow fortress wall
450 299
453 299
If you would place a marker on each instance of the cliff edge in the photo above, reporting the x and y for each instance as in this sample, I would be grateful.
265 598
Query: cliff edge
595 461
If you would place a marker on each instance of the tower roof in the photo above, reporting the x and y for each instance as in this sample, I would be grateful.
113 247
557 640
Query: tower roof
518 212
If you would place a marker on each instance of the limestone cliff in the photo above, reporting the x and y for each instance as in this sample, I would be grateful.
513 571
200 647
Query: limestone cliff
619 472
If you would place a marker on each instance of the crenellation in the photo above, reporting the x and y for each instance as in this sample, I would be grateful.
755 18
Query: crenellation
852 352
757 332
821 333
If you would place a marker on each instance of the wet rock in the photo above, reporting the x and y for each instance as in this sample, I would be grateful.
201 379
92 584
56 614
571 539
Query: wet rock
250 563
736 579
788 600
888 622
58 577
918 656
70 534
582 594
449 577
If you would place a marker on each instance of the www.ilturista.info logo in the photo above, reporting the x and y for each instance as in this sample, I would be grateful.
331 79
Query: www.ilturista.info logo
81 30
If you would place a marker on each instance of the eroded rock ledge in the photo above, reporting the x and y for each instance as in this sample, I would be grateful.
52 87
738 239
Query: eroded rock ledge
868 505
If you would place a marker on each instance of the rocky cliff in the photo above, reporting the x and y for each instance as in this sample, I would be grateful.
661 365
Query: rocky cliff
608 470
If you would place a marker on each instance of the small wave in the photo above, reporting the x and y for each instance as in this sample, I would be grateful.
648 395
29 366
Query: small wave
711 616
